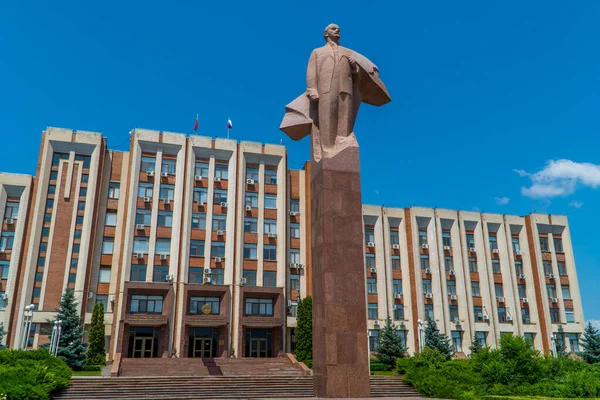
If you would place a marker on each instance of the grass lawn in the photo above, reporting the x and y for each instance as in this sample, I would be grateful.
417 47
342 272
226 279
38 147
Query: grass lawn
385 373
86 373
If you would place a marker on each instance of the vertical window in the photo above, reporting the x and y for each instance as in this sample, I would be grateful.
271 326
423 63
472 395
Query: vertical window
195 275
518 267
83 192
294 282
200 195
77 234
269 278
7 240
197 248
448 264
217 276
148 164
424 261
493 242
79 220
544 244
395 262
271 201
145 190
165 219
457 341
56 157
515 244
501 314
107 245
496 267
270 226
51 189
294 230
478 313
252 173
547 267
522 291
49 203
397 286
168 166
160 273
250 225
554 315
53 175
429 315
422 238
451 287
11 210
470 240
41 262
558 245
370 260
72 277
201 170
371 285
110 219
551 290
167 192
562 268
570 315
394 238
140 245
219 222
250 276
446 240
427 286
47 218
251 199
103 300
372 311
499 291
566 292
369 235
573 342
250 252
398 312
295 256
143 217
525 317
217 249
198 221
219 196
138 273
4 266
76 247
480 336
163 246
270 252
270 177
373 339
472 264
475 289
295 205
113 190
453 312
104 275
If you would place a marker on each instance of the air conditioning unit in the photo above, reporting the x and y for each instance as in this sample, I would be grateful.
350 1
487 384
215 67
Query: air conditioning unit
147 199
525 300
554 300
519 252
164 174
272 235
373 270
289 303
207 271
301 266
197 177
472 249
376 322
10 221
220 232
396 246
495 251
500 299
163 256
170 278
446 247
2 250
294 213
509 318
451 272
551 276
294 265
425 246
217 179
218 259
453 297
4 296
243 281
249 181
248 208
140 255
149 173
521 276
428 271
398 295
111 298
167 201
370 244
429 295
140 226
370 333
200 203
223 204
206 279
486 317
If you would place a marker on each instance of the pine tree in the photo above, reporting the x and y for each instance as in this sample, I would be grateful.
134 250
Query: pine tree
590 343
475 346
390 344
96 355
304 330
70 347
561 349
2 333
436 340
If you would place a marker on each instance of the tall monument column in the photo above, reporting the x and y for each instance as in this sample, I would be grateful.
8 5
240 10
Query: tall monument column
338 80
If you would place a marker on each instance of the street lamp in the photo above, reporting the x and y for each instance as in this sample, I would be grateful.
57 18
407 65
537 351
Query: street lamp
55 338
27 320
421 344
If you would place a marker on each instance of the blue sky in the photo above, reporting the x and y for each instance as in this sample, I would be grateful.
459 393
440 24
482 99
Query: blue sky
480 89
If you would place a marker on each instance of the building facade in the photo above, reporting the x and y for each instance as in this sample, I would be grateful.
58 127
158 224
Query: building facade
200 247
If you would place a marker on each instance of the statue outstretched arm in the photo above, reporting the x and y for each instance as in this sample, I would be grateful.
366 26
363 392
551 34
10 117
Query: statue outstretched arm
311 77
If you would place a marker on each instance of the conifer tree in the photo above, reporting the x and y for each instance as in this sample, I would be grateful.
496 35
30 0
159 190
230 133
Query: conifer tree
96 355
2 333
304 330
475 346
434 339
390 344
590 344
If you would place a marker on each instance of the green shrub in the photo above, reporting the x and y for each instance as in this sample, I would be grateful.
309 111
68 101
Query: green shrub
379 367
31 374
92 367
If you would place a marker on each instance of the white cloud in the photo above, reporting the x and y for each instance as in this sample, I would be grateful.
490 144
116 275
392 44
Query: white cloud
576 204
560 178
502 201
521 172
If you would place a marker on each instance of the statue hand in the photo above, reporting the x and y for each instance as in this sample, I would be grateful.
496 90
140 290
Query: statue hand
313 95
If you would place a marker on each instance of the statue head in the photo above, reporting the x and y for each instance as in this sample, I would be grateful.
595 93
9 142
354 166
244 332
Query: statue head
332 32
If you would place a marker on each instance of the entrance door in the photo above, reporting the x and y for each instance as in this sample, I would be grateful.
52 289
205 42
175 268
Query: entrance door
203 347
143 342
143 347
258 348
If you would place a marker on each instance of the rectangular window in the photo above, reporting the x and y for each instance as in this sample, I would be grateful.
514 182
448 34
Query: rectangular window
113 190
427 286
480 336
250 276
252 173
496 267
397 286
217 249
36 292
453 309
43 247
110 219
11 210
271 201
551 290
525 317
554 315
472 264
446 240
138 273
4 266
168 166
145 189
250 252
7 240
372 311
250 225
165 219
56 157
148 164
82 192
167 192
518 267
86 160
422 238
562 268
370 260
294 281
53 175
515 244
478 313
475 292
251 199
163 246
76 247
522 291
558 245
51 189
373 339
160 273
570 315
566 292
295 205
200 195
429 315
369 235
498 290
41 262
75 262
103 300
394 237
104 275
77 234
372 285
493 243
197 305
501 314
396 262
259 307
295 256
270 252
219 222
270 177
573 342
451 287
107 245
143 217
457 341
146 304
72 277
470 240
195 275
81 206
398 312
85 178
448 264
424 261
49 203
547 266
79 220
269 278
217 276
544 244
295 230
270 226
140 245
220 196
201 169
197 248
198 221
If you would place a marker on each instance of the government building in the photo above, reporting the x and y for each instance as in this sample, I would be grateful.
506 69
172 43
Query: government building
200 247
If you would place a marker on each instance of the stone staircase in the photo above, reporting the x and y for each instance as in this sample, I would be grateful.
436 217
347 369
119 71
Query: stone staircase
214 387
131 367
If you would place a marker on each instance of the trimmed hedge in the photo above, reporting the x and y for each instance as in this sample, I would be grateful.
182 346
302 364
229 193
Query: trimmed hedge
92 368
31 374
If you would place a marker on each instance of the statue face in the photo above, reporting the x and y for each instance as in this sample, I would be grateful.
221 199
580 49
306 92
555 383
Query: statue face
333 32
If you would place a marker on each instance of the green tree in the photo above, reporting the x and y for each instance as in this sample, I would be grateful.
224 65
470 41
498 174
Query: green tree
96 355
71 347
390 344
436 340
304 330
590 344
475 346
2 333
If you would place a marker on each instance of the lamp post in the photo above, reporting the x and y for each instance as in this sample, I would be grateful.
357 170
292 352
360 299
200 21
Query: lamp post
27 320
420 335
554 349
55 338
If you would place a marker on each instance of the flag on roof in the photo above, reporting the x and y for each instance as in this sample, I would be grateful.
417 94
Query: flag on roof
229 124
